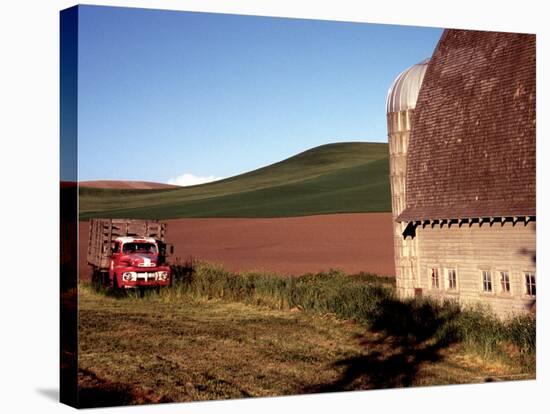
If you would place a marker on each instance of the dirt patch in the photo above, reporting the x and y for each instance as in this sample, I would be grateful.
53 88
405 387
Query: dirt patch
294 245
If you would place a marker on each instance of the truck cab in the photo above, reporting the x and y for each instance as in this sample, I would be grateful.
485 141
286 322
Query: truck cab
137 262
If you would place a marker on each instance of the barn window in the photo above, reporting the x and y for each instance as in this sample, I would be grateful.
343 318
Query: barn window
504 282
435 278
487 281
451 275
530 284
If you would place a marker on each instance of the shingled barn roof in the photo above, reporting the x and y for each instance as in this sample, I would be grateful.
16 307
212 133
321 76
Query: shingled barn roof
472 146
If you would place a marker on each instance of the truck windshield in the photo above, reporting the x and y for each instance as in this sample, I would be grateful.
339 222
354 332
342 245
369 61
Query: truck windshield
139 248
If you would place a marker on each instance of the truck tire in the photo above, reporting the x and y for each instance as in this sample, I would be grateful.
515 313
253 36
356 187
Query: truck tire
105 279
116 288
96 280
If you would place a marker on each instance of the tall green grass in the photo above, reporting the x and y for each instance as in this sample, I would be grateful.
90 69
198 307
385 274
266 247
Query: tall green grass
354 297
363 298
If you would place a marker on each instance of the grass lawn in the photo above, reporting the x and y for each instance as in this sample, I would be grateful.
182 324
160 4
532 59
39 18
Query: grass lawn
138 350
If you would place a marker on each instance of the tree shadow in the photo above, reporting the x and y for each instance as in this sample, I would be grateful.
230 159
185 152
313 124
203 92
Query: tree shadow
408 334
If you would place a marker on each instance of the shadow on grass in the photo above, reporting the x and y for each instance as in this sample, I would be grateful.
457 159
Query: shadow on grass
138 292
408 334
95 392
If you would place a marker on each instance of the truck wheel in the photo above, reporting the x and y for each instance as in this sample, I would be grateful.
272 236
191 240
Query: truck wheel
116 288
105 279
96 280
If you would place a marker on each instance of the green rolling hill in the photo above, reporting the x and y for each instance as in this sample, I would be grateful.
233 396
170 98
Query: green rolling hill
335 178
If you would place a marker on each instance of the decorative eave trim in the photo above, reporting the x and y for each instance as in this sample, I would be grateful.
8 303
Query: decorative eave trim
491 220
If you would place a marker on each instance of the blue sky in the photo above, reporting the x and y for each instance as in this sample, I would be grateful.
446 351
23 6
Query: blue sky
163 93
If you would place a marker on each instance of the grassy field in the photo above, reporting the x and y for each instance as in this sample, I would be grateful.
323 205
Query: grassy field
246 337
334 178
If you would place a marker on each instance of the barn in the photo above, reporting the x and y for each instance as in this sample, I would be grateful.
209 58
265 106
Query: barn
461 133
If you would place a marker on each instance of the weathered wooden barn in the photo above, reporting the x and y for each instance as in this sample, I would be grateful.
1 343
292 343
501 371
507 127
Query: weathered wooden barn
461 130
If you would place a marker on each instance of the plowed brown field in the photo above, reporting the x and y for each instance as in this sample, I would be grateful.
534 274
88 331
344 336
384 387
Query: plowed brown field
293 245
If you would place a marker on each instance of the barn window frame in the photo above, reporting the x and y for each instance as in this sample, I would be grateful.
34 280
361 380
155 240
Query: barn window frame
452 287
487 282
434 278
530 283
504 282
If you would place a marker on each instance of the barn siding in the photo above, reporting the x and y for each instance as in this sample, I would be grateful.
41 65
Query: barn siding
471 249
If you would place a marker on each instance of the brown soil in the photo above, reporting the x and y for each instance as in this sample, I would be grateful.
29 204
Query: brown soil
121 184
295 245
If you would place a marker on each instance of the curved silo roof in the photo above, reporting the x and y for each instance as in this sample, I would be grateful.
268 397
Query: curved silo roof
404 91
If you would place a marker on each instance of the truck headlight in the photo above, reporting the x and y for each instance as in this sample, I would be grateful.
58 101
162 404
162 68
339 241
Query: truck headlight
163 275
127 276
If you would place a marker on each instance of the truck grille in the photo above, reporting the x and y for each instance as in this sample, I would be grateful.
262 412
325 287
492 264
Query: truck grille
146 276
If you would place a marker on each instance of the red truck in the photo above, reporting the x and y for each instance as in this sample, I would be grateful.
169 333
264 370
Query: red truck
128 253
